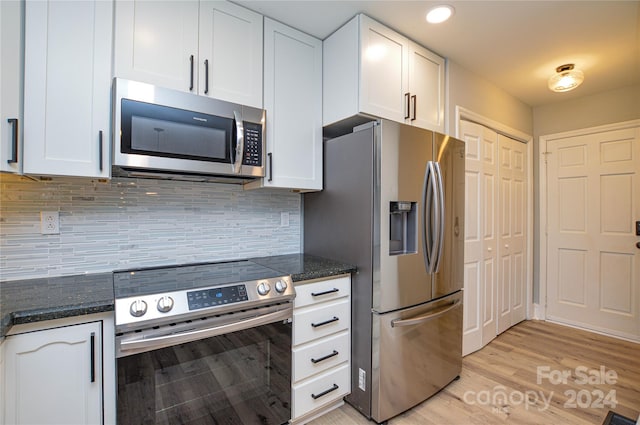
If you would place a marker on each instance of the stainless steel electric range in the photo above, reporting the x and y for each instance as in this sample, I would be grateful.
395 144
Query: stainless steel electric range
203 343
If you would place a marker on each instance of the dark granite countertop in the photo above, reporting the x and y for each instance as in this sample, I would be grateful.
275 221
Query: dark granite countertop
35 300
304 267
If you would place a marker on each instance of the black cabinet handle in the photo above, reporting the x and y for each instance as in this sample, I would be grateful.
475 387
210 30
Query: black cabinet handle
325 392
408 113
330 291
270 157
14 137
326 322
328 356
415 104
206 76
93 357
191 81
100 149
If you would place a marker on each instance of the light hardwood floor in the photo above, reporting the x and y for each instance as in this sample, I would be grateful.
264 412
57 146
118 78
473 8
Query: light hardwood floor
509 365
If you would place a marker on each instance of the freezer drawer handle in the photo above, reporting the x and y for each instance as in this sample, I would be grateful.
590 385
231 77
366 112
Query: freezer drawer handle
328 356
421 319
325 392
330 291
326 322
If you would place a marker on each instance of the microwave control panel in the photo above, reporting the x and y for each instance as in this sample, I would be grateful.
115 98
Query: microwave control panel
252 144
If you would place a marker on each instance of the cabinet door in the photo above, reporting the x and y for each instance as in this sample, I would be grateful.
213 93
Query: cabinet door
67 87
155 41
293 100
384 71
230 48
54 376
10 85
426 88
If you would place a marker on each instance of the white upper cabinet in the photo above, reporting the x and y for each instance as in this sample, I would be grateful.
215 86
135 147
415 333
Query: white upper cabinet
11 60
371 70
67 87
293 101
384 65
157 42
426 88
230 51
212 48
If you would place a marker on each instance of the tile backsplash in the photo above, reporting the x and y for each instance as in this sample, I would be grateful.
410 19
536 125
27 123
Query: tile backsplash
126 223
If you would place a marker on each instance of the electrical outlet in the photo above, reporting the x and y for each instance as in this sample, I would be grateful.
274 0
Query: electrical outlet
49 222
284 219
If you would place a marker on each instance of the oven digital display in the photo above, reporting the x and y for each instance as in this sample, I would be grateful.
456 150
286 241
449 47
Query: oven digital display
217 296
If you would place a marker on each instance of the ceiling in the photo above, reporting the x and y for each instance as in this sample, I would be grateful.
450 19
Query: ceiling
514 44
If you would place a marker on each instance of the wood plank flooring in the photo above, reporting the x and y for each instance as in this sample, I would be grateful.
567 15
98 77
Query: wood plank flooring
502 383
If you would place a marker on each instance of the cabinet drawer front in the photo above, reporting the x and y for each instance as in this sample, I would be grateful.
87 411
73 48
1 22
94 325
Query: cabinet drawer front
318 322
320 355
324 290
321 390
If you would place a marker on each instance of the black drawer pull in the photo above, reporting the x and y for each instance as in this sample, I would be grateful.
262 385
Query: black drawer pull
325 392
92 370
330 291
328 356
326 322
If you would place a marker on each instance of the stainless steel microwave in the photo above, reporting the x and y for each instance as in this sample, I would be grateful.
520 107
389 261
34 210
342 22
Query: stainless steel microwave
169 134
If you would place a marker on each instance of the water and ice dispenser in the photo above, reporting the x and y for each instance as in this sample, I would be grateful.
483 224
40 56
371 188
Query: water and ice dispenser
403 227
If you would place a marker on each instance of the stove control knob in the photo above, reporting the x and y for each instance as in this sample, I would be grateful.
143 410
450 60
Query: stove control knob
281 286
264 288
165 304
138 308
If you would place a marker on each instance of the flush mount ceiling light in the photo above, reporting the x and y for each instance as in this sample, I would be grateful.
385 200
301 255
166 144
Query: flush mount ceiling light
566 78
439 14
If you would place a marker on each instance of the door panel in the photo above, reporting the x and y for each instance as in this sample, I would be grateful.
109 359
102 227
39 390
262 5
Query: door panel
593 198
419 359
450 154
480 251
404 152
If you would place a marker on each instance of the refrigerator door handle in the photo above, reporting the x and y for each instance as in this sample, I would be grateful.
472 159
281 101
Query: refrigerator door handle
426 317
439 211
427 205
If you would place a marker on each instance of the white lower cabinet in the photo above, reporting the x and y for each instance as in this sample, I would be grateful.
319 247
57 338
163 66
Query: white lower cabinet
60 375
321 347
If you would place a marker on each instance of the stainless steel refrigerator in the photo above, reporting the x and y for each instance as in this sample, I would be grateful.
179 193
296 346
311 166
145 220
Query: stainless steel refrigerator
393 205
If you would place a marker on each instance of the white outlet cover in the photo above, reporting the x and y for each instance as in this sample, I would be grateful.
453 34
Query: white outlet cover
49 222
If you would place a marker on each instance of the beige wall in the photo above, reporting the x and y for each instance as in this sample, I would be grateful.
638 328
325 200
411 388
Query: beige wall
482 97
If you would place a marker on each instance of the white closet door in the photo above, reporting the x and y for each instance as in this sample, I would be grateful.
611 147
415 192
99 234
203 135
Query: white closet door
593 264
511 241
480 236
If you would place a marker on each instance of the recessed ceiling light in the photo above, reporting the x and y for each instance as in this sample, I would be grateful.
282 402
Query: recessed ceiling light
439 14
566 78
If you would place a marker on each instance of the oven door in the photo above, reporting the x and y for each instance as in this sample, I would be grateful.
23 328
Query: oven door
242 376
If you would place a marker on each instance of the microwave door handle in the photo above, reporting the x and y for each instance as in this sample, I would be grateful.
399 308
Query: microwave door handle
237 163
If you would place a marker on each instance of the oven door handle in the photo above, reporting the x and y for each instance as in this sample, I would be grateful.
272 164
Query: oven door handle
194 335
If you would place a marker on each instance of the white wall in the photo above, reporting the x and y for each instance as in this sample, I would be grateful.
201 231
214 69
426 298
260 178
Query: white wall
126 223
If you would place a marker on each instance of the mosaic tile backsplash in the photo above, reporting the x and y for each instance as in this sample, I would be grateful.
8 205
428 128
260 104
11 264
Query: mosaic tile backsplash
126 223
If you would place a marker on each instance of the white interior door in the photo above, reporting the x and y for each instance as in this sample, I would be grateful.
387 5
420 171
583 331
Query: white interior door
593 201
511 240
480 249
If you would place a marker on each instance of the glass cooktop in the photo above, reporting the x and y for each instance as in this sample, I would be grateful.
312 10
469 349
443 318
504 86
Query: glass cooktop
157 280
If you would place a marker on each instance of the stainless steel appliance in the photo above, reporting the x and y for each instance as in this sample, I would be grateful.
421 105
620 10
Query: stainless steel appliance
203 343
393 205
169 134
